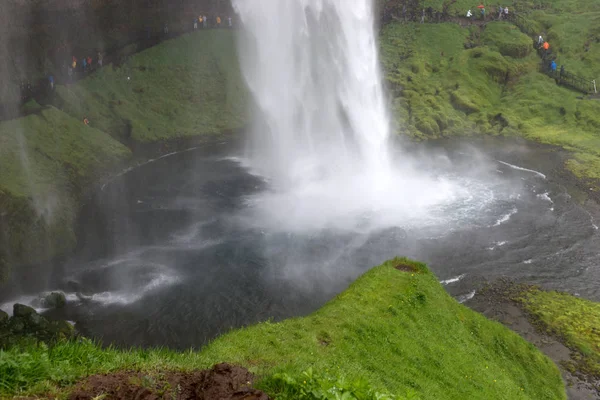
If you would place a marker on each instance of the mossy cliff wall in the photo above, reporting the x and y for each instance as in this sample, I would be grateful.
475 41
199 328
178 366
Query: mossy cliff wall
186 87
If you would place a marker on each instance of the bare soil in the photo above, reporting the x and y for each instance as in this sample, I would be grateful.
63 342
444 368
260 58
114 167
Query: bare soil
222 382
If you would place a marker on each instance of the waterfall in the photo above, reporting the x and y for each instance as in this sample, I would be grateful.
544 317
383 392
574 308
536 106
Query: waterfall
313 70
321 125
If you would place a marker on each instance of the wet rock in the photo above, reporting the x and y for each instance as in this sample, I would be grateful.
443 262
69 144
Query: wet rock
63 329
27 324
20 310
54 300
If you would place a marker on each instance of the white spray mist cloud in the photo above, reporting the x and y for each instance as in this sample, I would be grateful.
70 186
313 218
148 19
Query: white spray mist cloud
321 124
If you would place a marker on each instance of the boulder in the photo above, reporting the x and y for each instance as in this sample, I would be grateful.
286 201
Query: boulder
22 311
62 329
54 300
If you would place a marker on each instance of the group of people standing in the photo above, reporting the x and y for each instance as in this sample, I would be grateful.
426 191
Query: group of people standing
83 65
502 12
203 22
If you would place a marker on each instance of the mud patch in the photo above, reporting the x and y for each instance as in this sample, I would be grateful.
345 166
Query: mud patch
223 382
405 267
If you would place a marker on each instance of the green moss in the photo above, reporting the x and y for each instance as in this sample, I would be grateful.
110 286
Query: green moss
507 39
397 330
184 87
441 88
46 160
576 320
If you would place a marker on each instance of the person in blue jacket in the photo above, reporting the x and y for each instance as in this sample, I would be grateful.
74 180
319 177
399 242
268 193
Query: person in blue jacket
553 66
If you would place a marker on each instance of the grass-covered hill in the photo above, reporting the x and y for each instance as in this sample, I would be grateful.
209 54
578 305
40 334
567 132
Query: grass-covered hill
449 80
190 86
395 329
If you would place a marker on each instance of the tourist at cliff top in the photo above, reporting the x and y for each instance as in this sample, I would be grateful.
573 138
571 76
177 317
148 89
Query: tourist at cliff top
540 40
195 24
89 61
229 21
546 46
469 14
100 58
205 21
51 81
218 21
553 66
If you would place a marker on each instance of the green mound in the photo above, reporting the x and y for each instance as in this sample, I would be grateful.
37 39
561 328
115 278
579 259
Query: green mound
395 328
575 320
508 39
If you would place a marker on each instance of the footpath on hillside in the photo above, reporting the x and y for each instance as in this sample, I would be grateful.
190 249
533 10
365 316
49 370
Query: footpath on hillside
548 63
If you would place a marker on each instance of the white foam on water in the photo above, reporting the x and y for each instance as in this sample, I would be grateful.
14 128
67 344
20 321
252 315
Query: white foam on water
452 280
506 217
546 197
516 167
466 297
528 261
496 245
149 161
31 301
126 297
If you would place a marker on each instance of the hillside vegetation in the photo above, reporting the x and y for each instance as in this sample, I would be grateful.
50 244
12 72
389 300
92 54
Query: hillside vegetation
449 80
395 328
576 321
190 86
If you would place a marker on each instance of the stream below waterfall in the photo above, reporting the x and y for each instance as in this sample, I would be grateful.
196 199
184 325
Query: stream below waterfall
170 254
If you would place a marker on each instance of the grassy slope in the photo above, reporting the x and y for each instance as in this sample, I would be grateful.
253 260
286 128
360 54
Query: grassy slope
439 88
44 159
575 320
398 330
183 87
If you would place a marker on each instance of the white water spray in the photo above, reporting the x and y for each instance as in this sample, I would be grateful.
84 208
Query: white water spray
321 125
312 68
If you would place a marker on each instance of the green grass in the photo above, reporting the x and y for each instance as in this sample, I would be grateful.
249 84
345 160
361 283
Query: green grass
399 331
575 320
190 86
184 87
46 159
440 88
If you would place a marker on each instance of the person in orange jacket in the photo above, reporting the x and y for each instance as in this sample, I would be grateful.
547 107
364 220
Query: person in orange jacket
546 46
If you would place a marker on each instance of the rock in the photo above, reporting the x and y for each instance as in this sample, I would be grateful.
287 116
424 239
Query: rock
54 300
22 311
3 317
62 328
